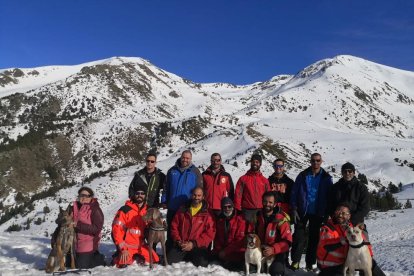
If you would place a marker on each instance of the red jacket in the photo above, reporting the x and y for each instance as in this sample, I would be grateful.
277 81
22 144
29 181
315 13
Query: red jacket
233 242
249 190
128 226
200 229
217 186
331 252
277 233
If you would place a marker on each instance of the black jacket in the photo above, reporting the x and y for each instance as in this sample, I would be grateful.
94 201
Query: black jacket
155 185
284 198
355 194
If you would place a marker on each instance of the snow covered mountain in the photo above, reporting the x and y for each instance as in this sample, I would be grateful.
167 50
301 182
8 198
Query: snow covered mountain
64 125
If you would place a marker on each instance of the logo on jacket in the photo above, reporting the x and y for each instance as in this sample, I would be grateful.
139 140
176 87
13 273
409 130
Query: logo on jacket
272 233
223 180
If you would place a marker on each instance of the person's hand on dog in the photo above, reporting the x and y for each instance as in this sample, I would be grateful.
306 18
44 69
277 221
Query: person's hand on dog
343 240
268 251
124 256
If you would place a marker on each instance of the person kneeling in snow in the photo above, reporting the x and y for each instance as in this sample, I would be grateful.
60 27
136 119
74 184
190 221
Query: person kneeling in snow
192 231
333 247
128 229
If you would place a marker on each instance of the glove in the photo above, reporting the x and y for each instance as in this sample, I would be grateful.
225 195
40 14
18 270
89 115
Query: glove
294 216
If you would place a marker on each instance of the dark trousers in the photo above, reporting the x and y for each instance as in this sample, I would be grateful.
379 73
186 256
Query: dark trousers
89 260
169 242
198 256
338 270
278 265
299 239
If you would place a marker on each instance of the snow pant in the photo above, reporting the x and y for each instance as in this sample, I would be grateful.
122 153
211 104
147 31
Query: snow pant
197 256
135 254
299 239
89 260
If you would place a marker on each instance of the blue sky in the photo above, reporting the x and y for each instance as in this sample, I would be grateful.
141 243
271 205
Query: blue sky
207 41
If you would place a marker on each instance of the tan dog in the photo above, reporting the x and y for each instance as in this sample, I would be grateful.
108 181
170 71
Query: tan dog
62 242
359 256
156 232
253 254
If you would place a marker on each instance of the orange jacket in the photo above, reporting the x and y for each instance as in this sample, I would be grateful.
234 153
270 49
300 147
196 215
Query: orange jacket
331 251
128 226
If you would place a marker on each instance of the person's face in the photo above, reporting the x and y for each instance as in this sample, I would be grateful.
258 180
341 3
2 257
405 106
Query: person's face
342 215
197 196
348 174
268 204
255 165
185 159
139 197
150 162
227 210
316 162
215 162
84 197
279 167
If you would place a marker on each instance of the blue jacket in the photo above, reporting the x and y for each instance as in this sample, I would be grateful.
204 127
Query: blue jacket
299 195
180 182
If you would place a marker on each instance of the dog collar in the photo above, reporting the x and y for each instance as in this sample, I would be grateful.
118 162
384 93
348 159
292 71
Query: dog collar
360 245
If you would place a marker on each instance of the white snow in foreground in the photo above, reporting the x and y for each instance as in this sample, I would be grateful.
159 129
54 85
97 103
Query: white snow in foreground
391 234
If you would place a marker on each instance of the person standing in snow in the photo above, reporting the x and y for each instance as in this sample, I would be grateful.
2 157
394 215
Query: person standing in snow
249 190
151 176
308 204
88 219
281 185
182 178
217 184
349 189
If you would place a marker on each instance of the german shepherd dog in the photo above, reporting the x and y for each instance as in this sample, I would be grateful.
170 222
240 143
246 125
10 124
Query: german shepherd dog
156 232
62 242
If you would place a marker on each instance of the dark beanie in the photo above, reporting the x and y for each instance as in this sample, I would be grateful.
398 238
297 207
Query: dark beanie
137 186
257 157
226 201
348 166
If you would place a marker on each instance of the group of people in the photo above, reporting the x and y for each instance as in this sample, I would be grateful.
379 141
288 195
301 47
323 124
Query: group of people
208 218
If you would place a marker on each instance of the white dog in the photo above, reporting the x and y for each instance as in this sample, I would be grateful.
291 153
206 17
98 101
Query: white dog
359 256
253 254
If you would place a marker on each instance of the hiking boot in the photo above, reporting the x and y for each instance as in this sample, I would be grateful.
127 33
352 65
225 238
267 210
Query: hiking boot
294 266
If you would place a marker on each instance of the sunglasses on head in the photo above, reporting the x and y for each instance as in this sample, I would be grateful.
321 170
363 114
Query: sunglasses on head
150 161
84 195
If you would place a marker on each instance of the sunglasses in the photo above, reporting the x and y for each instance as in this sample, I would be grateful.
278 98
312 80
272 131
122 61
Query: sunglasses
150 161
140 193
316 160
215 160
84 195
278 166
347 171
228 207
343 214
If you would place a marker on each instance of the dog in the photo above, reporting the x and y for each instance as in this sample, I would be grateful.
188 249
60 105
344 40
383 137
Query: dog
359 256
62 242
156 232
253 254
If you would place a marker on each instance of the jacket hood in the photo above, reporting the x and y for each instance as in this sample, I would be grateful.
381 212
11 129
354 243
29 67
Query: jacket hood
210 169
143 170
251 172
